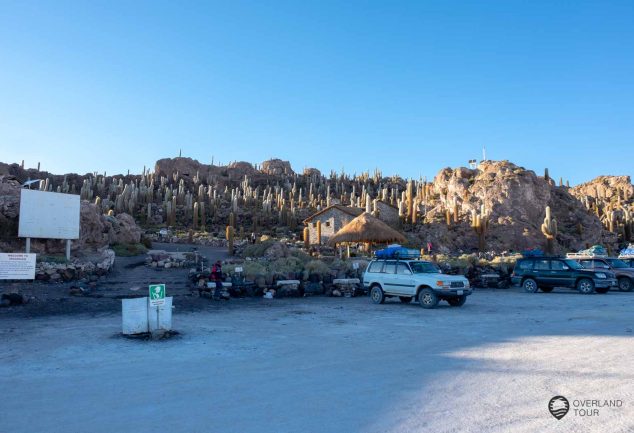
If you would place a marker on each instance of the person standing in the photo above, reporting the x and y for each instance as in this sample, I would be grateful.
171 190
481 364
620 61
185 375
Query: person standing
216 276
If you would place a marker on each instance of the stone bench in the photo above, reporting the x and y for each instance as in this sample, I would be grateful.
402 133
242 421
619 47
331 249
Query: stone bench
287 287
346 286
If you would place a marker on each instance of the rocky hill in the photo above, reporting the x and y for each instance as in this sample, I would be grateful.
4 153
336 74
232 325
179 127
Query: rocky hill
498 206
514 201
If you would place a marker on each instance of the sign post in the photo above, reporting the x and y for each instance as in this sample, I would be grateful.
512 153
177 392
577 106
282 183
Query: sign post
157 298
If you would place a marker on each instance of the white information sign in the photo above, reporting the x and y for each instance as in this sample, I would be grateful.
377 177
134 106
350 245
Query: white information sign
48 215
17 266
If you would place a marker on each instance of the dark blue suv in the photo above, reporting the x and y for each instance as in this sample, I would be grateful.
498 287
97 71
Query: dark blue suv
546 273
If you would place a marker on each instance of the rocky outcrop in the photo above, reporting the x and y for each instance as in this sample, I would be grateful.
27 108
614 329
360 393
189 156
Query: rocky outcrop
9 206
515 199
121 229
312 172
186 167
606 187
277 167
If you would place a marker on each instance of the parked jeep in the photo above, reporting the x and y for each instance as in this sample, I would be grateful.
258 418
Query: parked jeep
546 273
628 261
624 273
414 279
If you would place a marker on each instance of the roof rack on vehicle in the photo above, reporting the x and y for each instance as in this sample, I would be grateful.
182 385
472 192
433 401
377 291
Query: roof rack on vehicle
627 253
397 252
586 256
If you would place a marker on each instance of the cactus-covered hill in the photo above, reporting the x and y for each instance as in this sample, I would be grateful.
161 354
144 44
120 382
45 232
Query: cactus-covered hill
511 203
497 206
607 189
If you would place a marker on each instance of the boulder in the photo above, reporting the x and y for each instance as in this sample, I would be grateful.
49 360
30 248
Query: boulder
277 167
276 251
122 229
186 167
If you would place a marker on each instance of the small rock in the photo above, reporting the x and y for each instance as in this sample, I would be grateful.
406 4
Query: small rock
12 299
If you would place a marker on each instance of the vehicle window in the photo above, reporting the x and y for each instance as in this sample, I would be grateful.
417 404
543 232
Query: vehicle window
403 269
542 265
586 263
375 267
525 265
601 264
558 265
424 268
573 264
390 268
617 263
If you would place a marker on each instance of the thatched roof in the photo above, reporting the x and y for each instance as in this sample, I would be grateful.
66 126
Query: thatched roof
366 228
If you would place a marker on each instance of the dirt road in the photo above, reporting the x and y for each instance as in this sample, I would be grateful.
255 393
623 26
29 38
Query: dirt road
327 365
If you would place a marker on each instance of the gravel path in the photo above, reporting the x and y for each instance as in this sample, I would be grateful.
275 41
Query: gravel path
327 365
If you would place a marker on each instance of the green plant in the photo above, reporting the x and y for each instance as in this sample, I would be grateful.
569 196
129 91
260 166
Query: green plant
317 267
286 265
129 250
257 250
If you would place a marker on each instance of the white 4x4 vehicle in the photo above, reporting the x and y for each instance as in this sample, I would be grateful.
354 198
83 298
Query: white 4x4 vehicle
417 279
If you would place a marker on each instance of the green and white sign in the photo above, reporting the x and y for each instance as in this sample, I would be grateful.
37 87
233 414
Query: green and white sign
157 294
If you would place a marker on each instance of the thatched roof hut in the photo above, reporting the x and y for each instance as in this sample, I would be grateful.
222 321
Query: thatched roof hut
368 229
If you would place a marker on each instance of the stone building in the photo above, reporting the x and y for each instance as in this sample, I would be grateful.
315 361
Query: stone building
387 213
334 217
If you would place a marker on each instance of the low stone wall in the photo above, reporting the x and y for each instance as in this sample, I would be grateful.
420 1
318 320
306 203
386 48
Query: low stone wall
76 269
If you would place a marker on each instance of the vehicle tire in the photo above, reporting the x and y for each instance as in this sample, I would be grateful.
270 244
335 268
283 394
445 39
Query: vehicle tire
405 299
585 286
427 298
546 289
529 285
625 284
602 290
376 294
457 301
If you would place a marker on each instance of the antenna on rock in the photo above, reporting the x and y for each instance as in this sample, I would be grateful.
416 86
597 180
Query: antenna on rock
484 153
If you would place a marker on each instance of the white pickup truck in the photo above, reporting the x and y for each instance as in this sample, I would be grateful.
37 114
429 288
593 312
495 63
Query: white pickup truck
414 279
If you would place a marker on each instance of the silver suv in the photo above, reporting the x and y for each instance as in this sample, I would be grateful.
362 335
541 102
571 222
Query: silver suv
414 279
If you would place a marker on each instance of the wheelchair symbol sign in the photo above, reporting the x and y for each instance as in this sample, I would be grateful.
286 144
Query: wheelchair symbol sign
157 294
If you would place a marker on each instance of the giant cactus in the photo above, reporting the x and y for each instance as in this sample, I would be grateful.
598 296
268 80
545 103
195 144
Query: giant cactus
480 224
549 229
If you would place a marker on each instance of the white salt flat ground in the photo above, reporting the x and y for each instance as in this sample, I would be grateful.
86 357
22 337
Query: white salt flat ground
328 365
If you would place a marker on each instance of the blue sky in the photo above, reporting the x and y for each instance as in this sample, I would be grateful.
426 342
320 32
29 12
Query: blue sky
409 87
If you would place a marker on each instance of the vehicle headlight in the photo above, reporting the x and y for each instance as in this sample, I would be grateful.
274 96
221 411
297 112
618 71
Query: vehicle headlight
441 283
600 275
466 283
